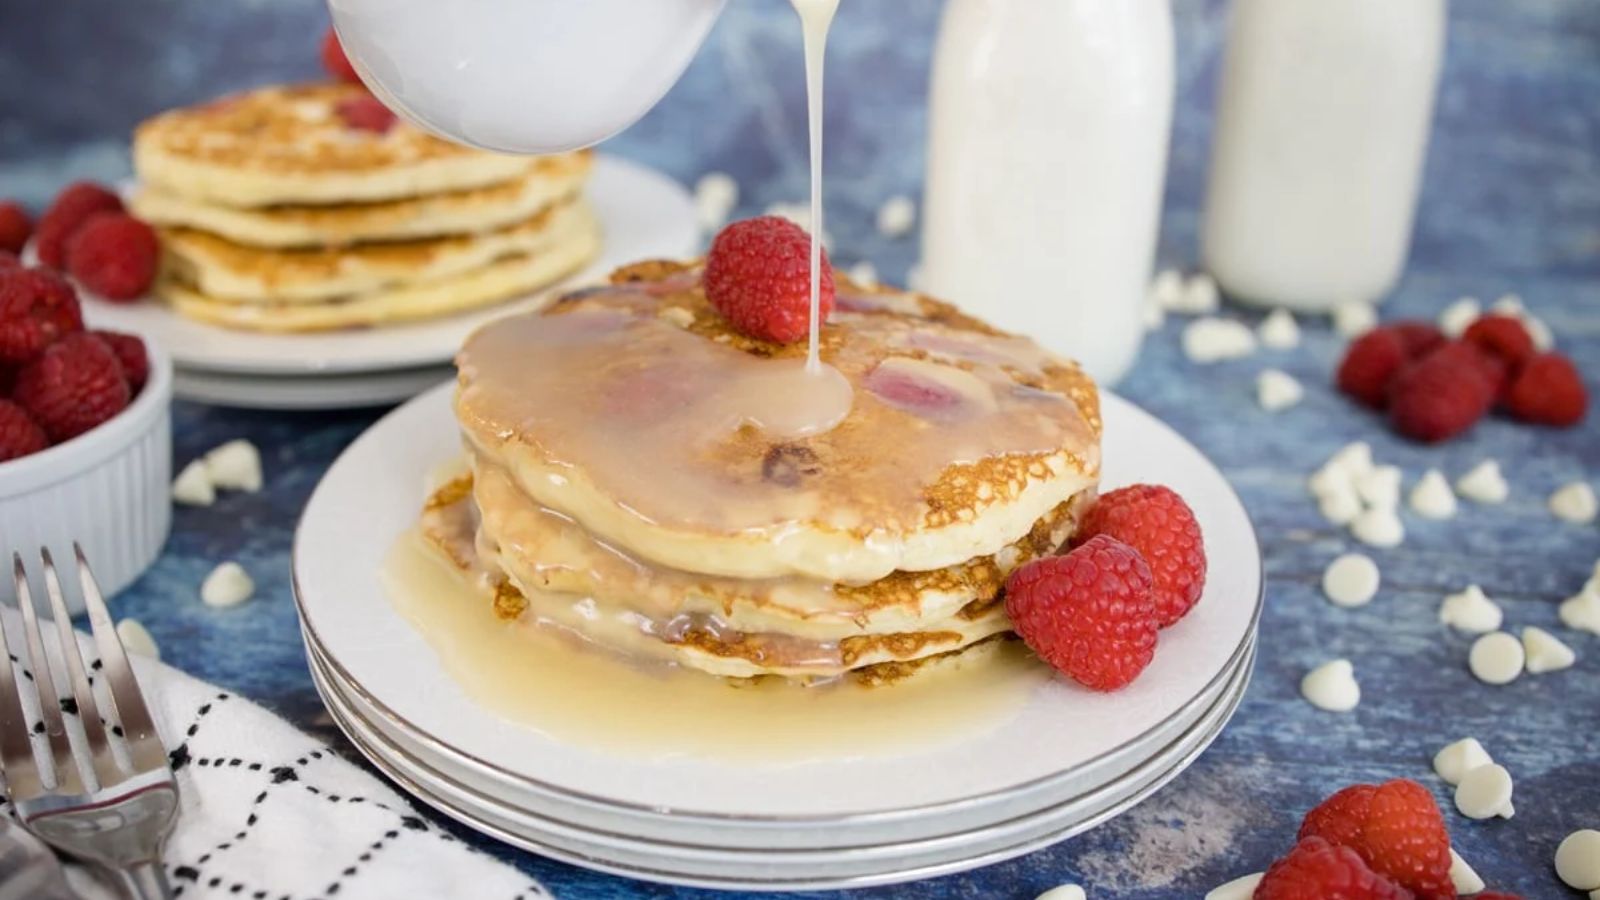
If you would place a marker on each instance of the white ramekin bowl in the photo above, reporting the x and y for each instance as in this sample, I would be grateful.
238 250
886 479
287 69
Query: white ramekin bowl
107 489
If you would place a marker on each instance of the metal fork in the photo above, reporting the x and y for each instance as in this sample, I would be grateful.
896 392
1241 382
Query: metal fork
118 818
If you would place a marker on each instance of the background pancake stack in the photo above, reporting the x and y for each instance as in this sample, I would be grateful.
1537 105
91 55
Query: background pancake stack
312 208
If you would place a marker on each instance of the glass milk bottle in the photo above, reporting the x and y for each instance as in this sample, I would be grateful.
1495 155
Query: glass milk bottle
1048 131
1322 124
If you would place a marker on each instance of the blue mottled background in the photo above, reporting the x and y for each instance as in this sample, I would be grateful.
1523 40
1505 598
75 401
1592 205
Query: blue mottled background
1511 203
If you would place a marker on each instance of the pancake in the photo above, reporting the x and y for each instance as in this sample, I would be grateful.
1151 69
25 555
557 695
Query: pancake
223 270
551 181
609 408
288 145
508 277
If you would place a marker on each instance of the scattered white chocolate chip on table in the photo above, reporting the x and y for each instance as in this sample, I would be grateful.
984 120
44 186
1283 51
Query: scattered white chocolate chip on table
716 195
897 216
1545 652
1332 686
1484 483
1340 507
1354 317
1575 503
1380 487
1166 290
1485 792
1582 612
1278 390
1200 296
1242 888
1496 658
1454 761
1378 526
1279 331
1064 892
227 585
136 639
1351 580
1465 880
1154 315
1471 611
1578 860
1432 497
1459 316
235 466
1211 340
193 485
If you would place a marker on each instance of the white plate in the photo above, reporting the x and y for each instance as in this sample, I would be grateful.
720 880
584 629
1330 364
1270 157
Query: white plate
371 495
308 391
644 215
785 870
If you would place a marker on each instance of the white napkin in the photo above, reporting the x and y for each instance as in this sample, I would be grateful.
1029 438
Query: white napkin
269 812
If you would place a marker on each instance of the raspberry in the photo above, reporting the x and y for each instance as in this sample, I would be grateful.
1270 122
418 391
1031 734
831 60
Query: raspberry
114 255
366 113
1396 829
1548 391
74 386
1502 337
1318 870
1371 362
1089 614
15 227
19 434
1441 396
9 261
1418 337
1157 523
71 208
335 61
131 354
758 275
36 308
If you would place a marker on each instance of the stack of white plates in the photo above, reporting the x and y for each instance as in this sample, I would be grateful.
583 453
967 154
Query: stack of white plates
1066 760
644 215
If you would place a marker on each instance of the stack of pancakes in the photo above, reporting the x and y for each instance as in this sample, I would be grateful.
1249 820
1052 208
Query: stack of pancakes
277 214
608 494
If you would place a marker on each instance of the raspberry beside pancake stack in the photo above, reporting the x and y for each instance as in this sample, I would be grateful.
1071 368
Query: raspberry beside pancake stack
277 214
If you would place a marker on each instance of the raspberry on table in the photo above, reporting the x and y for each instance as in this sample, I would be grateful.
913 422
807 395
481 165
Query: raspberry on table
37 307
1443 395
1318 870
15 227
9 261
1369 365
366 113
1503 337
72 207
1548 391
758 276
1341 818
75 385
20 435
1157 523
131 354
1419 338
114 255
1395 828
335 61
1089 614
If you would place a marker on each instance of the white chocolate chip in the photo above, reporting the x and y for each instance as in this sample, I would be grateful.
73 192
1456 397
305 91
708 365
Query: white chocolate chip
1211 340
1466 881
1354 457
1279 330
1064 892
1166 289
1578 860
1454 761
1332 686
1380 487
1154 315
1238 889
1485 792
1543 338
1582 612
193 485
1575 503
1545 652
227 585
1340 507
1330 479
1277 390
1509 305
1496 658
864 273
1484 484
1459 316
235 465
716 195
1378 527
1351 580
897 216
1471 611
1353 317
136 639
1432 497
1200 295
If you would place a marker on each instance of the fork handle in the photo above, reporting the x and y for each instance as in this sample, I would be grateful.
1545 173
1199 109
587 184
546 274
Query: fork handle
144 881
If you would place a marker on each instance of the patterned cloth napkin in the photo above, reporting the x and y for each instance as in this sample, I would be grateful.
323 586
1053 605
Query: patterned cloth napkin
270 813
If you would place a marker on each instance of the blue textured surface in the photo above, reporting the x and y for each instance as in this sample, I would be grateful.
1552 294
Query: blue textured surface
1511 202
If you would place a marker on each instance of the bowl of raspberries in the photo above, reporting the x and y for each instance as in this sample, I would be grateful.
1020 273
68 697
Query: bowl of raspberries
85 426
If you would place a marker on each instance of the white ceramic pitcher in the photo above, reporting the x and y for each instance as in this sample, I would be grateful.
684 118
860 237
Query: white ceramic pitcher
522 76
